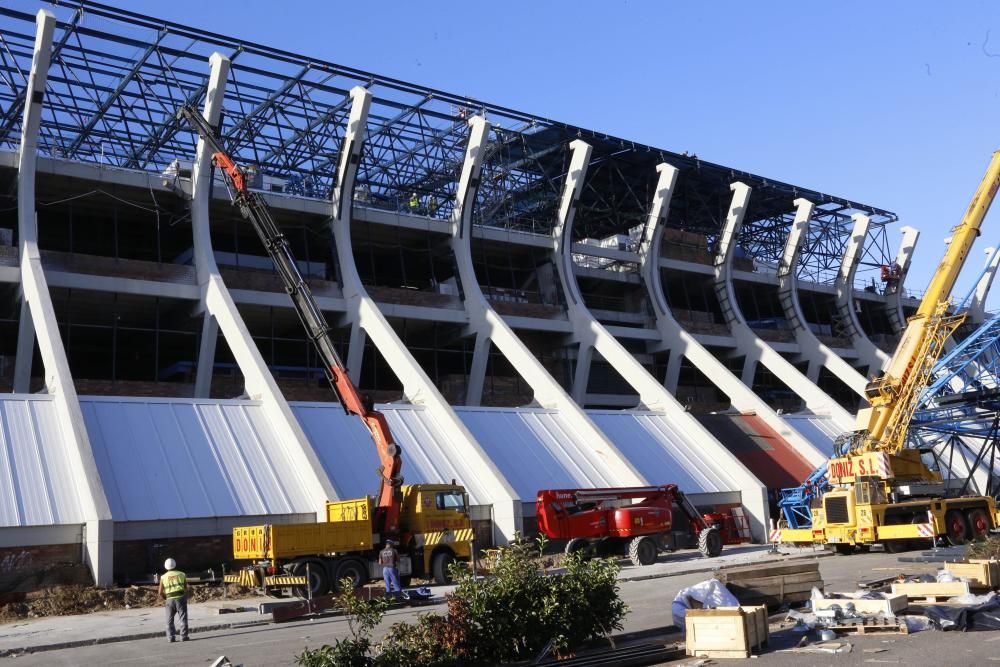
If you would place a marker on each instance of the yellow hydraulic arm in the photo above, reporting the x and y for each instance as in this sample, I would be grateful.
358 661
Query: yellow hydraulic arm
893 395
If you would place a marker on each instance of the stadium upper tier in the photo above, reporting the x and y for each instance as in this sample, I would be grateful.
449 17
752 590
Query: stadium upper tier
118 77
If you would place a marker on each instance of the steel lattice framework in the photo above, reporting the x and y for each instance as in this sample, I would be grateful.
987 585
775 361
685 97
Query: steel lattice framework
117 79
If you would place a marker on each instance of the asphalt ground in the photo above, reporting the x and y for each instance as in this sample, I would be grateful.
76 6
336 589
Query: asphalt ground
648 599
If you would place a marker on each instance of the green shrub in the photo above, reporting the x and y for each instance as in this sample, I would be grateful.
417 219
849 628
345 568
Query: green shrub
363 616
513 614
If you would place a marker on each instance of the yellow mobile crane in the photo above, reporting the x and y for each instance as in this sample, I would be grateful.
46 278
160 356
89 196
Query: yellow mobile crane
882 491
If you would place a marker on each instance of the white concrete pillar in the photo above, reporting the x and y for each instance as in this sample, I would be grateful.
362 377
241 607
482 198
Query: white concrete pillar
219 305
603 457
477 374
894 297
98 546
869 355
681 343
594 336
476 471
977 304
816 353
25 353
206 356
747 342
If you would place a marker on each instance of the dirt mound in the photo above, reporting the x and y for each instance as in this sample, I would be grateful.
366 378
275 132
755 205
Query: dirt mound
75 599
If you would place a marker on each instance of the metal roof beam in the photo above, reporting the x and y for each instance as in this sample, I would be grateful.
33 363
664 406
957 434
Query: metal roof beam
110 99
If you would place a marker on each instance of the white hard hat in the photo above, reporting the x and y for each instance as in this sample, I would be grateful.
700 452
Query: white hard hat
169 564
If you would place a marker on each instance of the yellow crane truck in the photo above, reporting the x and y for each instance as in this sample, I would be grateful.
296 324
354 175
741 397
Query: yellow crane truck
882 491
429 521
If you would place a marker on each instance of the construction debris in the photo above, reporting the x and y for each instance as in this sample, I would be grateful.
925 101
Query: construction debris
772 585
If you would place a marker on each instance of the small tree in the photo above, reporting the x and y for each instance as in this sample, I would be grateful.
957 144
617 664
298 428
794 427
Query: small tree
363 616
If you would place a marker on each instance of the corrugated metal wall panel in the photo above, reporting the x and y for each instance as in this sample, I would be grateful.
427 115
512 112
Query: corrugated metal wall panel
534 449
187 458
662 452
37 484
818 429
348 455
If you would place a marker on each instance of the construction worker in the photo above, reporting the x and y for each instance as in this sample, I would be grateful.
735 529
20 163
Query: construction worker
432 206
414 202
388 558
173 587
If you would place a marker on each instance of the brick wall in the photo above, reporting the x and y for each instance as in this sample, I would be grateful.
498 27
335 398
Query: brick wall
28 568
137 559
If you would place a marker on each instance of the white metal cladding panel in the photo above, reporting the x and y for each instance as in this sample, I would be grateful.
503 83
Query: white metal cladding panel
187 458
346 450
534 449
817 429
38 483
664 453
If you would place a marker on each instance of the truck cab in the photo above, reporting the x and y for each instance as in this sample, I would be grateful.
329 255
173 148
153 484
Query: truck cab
436 529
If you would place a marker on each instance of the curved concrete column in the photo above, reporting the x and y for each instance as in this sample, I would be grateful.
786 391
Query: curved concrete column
99 529
477 471
894 298
681 343
219 304
592 335
606 462
816 353
977 304
868 353
747 342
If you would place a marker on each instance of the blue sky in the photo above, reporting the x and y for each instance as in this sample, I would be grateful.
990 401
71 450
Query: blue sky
894 104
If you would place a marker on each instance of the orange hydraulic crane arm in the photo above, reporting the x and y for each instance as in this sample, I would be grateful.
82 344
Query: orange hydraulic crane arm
253 208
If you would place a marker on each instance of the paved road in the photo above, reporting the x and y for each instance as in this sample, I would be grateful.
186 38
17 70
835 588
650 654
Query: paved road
649 601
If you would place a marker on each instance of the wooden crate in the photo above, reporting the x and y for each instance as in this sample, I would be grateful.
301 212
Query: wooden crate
892 603
980 573
726 632
931 591
772 585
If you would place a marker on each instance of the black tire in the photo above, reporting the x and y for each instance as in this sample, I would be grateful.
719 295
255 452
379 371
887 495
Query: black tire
579 545
864 548
710 542
319 582
843 549
353 569
439 567
405 581
979 523
642 550
956 528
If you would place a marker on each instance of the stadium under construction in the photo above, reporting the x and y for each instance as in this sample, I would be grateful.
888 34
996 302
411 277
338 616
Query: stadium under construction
531 304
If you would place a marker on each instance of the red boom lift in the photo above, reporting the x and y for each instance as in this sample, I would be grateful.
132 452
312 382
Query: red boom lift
608 521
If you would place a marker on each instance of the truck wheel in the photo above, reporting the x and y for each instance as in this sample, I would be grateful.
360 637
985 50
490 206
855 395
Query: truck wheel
319 583
710 542
439 566
957 528
979 522
579 545
352 569
843 549
642 550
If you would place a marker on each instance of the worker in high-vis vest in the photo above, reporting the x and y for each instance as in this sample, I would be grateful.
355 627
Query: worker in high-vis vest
173 587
